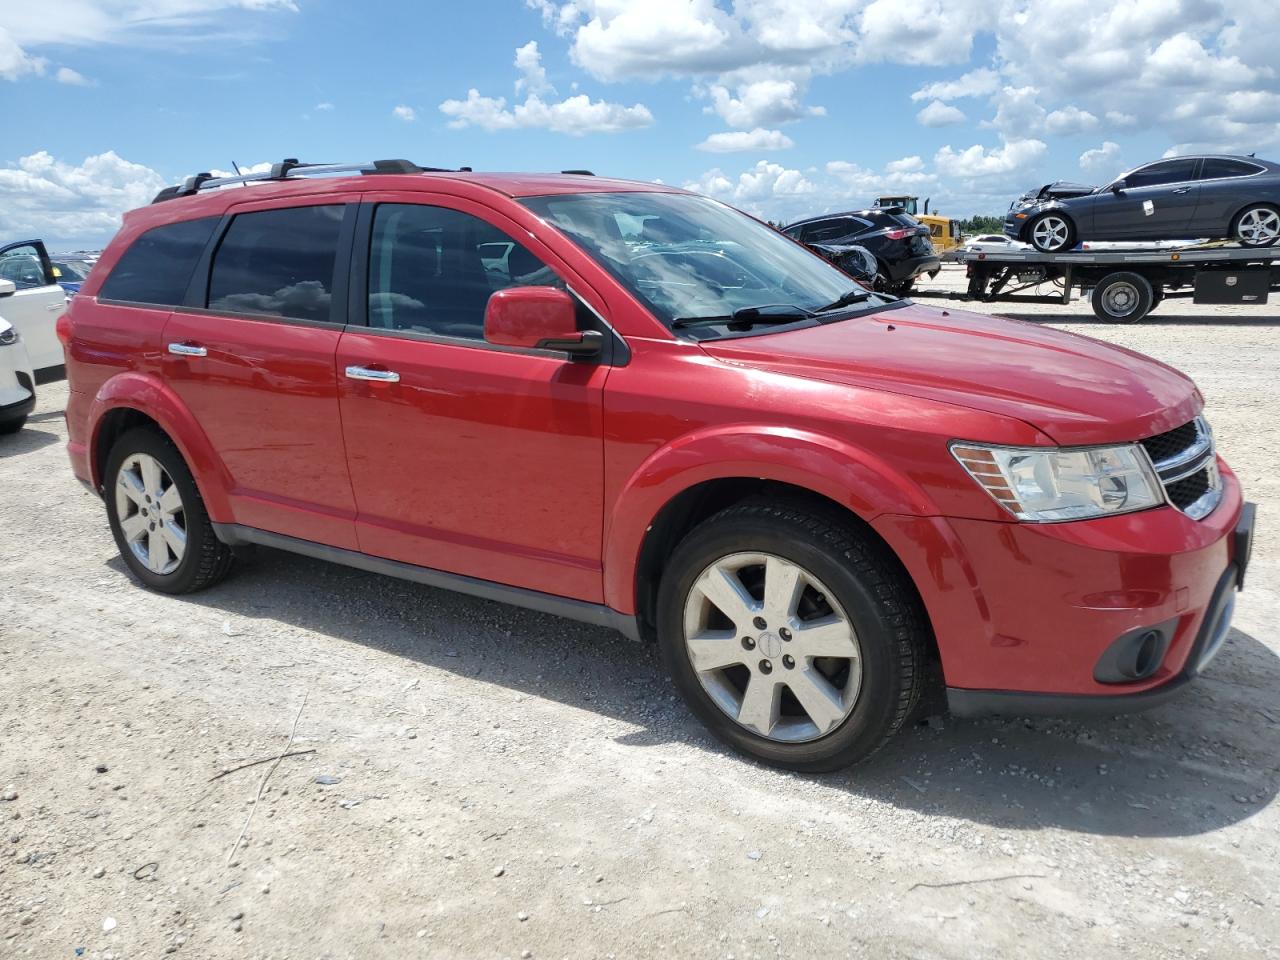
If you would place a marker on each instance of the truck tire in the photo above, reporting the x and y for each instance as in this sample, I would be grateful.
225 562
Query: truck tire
1122 297
158 518
796 637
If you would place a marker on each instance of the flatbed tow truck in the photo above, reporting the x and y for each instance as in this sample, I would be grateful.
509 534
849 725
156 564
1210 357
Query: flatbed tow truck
1125 285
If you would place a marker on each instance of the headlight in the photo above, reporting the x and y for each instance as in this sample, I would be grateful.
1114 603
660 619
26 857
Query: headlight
1046 484
8 337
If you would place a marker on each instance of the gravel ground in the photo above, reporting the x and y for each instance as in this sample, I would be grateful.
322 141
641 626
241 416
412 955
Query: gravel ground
485 782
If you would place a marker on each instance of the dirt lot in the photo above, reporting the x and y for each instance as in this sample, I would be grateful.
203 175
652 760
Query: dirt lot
496 783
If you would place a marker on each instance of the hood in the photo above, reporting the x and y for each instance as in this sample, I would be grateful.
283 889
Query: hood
1074 389
1058 190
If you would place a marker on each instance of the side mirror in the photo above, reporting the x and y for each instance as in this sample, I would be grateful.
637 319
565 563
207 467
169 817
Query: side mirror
7 288
537 318
1119 187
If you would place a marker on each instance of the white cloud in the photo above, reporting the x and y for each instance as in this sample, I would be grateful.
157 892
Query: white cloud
939 114
405 113
576 115
533 75
72 205
29 26
758 189
905 165
323 107
976 83
73 78
925 32
1012 157
1069 120
764 96
739 141
1105 160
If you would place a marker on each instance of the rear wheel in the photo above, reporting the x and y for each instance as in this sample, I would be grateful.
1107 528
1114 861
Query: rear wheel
158 518
13 426
1257 226
1052 233
1123 297
793 636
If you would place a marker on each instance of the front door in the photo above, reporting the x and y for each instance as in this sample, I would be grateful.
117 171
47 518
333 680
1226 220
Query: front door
35 306
252 356
1156 203
464 457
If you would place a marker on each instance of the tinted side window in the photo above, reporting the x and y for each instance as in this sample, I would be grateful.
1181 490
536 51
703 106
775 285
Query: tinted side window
158 266
25 267
1213 169
431 270
1168 171
279 263
825 230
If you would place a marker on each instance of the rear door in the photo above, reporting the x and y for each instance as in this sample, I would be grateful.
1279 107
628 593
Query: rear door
465 457
1226 185
35 306
252 356
1157 203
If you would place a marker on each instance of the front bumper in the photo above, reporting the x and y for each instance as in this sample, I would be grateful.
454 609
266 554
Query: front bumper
1023 613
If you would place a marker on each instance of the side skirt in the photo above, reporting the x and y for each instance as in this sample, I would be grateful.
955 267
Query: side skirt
234 534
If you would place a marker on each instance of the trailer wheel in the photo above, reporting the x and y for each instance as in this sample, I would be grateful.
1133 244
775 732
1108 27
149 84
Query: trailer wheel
1123 297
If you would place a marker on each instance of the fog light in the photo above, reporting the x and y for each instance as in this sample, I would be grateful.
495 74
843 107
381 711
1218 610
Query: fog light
1135 655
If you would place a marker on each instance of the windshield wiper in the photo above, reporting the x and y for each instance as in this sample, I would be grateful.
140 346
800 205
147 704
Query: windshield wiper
748 316
856 295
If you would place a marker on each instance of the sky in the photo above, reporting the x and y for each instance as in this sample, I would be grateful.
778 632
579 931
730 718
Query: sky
785 108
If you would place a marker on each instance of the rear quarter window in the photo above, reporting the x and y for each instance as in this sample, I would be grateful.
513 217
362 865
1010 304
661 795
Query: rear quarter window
157 267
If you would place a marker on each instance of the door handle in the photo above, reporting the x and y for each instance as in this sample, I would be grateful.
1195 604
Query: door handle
57 306
188 350
378 376
1183 190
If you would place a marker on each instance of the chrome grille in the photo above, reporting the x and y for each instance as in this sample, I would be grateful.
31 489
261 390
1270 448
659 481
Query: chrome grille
1187 465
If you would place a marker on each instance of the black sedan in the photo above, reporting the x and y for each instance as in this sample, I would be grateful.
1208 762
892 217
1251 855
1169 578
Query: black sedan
899 243
1181 198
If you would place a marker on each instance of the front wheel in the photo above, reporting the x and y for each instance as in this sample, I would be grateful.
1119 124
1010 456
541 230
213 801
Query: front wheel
1052 233
1257 226
794 636
1123 297
158 518
13 426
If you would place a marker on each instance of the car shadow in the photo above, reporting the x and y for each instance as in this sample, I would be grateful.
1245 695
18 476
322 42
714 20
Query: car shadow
1151 319
29 438
1179 770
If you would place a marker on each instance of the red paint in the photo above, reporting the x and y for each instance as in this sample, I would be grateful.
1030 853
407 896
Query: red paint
529 316
529 469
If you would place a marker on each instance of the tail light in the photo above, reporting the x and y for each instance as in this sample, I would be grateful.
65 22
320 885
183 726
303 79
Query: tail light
899 233
63 328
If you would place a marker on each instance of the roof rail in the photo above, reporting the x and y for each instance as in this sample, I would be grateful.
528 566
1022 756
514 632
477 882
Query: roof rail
580 173
289 169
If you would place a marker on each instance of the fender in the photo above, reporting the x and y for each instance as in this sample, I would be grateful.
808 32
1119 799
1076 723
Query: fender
834 468
149 395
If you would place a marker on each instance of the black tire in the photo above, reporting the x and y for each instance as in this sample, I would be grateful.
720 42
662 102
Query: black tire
1060 242
1123 297
1254 208
870 586
12 426
903 289
206 559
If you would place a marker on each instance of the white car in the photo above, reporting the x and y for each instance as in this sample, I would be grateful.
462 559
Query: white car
17 382
34 306
993 243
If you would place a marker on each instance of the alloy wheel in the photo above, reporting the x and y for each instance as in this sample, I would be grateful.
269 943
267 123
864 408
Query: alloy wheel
1050 233
151 514
772 647
1259 225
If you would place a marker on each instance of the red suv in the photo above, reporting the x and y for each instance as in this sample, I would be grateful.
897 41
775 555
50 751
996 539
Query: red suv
637 407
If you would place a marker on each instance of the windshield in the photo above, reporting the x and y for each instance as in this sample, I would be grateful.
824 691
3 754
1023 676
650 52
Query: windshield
72 271
687 257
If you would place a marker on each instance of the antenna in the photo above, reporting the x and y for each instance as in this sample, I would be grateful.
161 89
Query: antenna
236 167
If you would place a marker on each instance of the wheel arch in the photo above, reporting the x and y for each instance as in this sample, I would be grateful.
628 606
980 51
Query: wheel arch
670 495
135 399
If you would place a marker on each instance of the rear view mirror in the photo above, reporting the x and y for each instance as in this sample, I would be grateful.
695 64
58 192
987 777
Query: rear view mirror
1118 187
7 288
537 318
